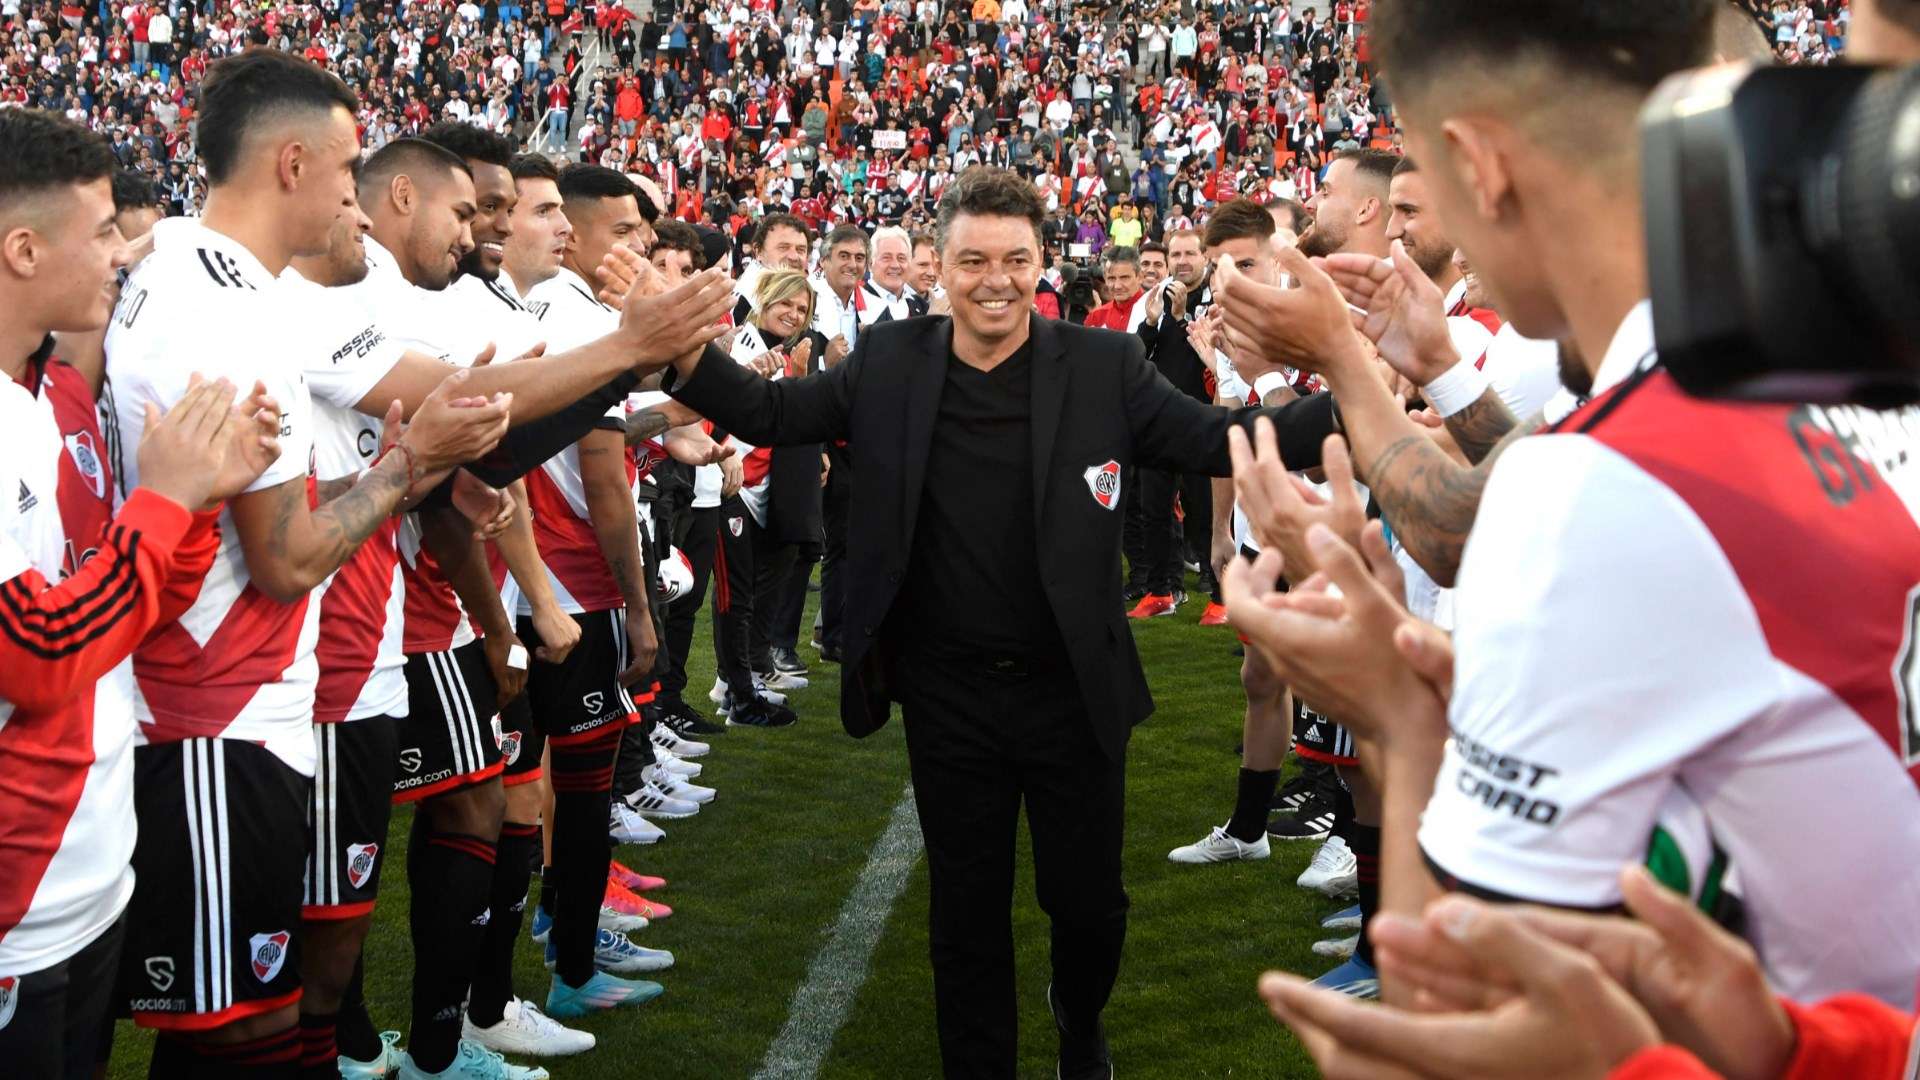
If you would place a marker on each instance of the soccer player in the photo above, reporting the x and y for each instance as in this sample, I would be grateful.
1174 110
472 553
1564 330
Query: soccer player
83 585
227 695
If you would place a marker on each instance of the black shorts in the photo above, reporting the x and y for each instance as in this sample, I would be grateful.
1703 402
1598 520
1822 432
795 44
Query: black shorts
450 738
577 699
214 932
1320 739
58 1022
521 743
352 803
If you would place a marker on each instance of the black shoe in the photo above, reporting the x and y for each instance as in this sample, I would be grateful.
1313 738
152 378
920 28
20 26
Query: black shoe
830 653
1311 820
762 713
1083 1054
1295 791
788 662
1132 594
688 722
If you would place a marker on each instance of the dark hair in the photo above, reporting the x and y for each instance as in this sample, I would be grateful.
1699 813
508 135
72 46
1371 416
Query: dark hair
781 221
1627 43
534 167
1238 219
846 234
988 191
1406 166
1375 165
133 191
242 89
714 242
40 151
1299 218
415 157
671 234
923 239
1154 247
471 143
594 182
1120 253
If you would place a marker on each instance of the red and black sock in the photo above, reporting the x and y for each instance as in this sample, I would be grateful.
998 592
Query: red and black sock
1365 842
1249 819
269 1057
493 976
452 878
319 1049
582 797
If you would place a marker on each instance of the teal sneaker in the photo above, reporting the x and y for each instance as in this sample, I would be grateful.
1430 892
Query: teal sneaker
381 1068
603 991
471 1061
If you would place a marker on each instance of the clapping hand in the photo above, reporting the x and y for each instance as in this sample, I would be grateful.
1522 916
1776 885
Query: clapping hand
183 451
1281 506
490 509
1308 327
450 428
254 443
1401 311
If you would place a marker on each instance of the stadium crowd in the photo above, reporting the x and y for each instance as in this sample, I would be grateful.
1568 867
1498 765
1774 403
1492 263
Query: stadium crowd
451 550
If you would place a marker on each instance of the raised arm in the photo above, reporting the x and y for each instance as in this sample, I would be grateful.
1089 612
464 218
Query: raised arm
1173 431
782 412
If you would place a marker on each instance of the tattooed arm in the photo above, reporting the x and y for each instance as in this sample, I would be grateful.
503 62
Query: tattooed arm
1482 426
642 426
1430 499
291 549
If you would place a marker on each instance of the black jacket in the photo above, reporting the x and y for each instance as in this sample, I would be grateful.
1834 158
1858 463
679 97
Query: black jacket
1095 400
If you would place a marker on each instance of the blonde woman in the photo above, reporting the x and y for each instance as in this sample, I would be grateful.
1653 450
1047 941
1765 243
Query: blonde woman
764 527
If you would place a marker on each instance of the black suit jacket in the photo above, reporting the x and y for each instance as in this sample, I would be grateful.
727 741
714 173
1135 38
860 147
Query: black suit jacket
1096 401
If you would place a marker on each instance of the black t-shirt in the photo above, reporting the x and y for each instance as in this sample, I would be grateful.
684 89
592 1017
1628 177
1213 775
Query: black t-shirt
972 589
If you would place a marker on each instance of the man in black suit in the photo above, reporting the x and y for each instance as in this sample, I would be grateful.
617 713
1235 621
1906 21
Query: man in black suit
984 552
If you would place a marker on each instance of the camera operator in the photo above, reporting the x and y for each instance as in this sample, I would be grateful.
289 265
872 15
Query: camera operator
1690 568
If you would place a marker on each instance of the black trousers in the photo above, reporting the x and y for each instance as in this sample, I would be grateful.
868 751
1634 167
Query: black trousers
1133 530
750 560
835 503
790 597
61 1017
979 745
694 534
1163 534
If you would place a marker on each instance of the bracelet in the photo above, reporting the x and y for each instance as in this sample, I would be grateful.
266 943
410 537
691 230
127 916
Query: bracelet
1458 387
413 462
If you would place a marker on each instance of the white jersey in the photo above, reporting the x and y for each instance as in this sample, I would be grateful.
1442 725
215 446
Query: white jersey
238 664
1745 628
1524 371
362 667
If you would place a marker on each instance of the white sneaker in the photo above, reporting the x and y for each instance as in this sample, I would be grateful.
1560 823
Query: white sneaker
1217 847
524 1029
619 921
626 826
676 787
722 700
665 738
649 801
718 695
676 764
1337 948
768 693
471 1061
780 680
1333 871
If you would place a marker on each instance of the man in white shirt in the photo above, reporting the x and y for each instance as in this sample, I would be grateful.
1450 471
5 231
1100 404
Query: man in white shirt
1727 669
883 295
836 289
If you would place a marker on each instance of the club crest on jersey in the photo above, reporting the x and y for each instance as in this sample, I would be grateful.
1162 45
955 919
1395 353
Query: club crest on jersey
736 525
9 998
1104 482
360 859
269 953
86 460
510 747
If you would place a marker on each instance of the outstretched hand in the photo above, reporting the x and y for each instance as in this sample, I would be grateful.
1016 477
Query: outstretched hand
1399 309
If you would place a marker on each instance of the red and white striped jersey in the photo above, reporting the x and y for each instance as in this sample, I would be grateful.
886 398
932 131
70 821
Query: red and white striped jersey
238 664
362 667
81 587
556 494
1666 594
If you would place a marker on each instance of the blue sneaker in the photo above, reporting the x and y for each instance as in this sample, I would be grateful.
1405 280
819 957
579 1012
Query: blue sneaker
380 1068
613 952
610 919
542 924
1347 918
471 1061
1353 978
603 991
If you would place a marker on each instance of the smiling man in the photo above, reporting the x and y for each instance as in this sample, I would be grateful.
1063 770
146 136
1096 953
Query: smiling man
971 438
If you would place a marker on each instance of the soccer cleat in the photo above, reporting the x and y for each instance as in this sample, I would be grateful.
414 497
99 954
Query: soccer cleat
1218 847
524 1029
1300 787
762 713
675 786
626 826
688 722
380 1068
1353 978
1347 918
1337 948
677 765
613 918
1215 615
788 662
1333 871
626 900
723 700
1153 605
1312 821
603 991
626 878
663 738
649 801
614 953
471 1061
